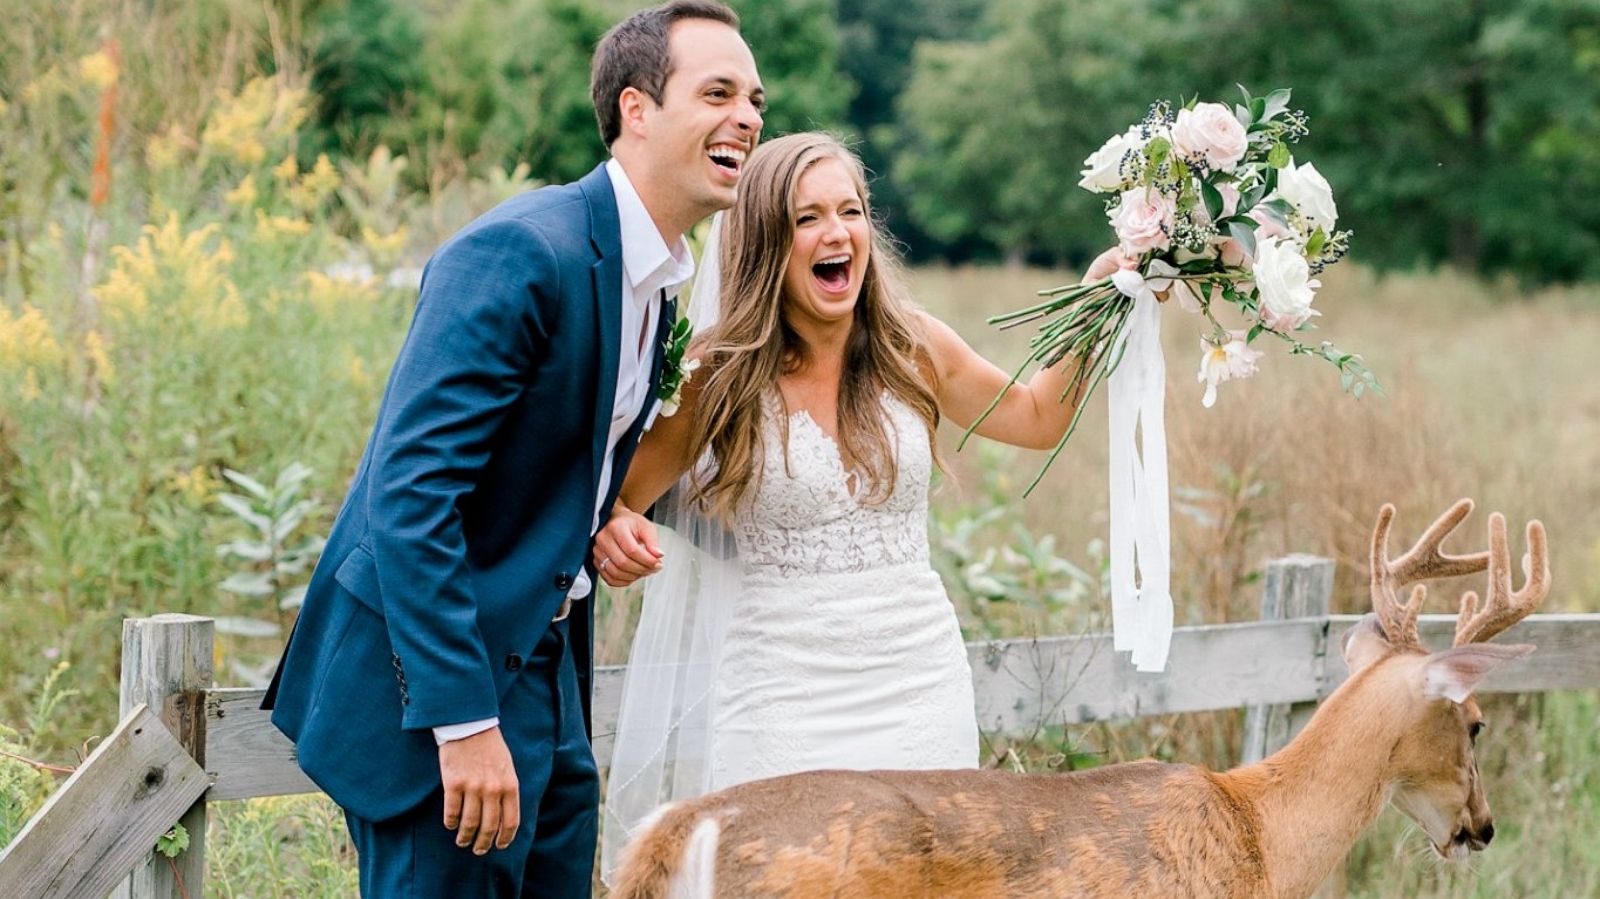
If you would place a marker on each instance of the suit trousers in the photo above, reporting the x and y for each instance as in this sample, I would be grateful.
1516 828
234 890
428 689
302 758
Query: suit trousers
413 856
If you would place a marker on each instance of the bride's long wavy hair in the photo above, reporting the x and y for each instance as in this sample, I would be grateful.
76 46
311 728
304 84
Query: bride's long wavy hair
753 343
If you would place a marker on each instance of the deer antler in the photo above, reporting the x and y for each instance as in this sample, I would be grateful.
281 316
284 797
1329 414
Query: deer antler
1424 561
1502 607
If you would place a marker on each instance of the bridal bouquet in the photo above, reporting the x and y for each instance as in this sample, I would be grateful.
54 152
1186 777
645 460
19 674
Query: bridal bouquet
1214 205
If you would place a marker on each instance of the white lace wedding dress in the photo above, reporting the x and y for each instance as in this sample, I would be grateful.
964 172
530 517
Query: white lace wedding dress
843 650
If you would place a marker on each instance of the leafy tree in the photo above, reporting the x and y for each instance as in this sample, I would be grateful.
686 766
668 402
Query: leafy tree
796 44
992 132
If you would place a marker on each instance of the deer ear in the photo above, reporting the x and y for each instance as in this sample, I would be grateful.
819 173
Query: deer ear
1455 673
1364 643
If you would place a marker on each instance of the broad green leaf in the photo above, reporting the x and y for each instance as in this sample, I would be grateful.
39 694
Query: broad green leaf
173 842
241 507
1279 156
251 550
1213 200
251 484
1276 102
248 583
247 627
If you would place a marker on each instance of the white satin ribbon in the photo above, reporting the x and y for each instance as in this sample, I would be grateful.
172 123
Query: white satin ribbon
1141 597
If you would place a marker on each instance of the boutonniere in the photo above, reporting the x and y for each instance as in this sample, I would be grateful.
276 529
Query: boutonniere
675 368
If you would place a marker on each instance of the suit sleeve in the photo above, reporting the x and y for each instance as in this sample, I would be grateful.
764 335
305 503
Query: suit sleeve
476 335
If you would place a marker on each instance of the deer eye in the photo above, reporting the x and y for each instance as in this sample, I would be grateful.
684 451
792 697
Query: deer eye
1474 729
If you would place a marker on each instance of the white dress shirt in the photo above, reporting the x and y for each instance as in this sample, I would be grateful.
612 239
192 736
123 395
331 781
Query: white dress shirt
649 269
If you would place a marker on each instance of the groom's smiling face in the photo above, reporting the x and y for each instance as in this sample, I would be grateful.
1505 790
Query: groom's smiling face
709 119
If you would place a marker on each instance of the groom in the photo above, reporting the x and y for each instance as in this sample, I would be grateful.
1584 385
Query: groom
437 682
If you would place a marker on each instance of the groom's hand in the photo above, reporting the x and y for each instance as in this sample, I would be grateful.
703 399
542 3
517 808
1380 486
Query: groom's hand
627 548
481 801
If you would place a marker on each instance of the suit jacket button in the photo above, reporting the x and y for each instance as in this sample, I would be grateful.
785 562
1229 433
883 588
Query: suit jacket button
563 581
513 662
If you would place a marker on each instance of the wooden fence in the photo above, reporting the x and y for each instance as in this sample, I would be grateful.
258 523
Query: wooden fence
180 733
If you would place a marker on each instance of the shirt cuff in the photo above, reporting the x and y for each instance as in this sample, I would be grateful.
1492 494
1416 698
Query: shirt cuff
452 732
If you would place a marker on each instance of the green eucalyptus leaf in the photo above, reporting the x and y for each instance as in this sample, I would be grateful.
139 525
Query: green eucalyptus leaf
1276 102
1245 235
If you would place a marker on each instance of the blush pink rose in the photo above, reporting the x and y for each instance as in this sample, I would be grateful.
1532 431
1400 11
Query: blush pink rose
1210 131
1143 220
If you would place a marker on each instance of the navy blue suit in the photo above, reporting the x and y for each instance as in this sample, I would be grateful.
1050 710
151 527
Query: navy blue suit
469 518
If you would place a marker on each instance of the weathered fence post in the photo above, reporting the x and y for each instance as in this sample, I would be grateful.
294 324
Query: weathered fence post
166 664
1297 586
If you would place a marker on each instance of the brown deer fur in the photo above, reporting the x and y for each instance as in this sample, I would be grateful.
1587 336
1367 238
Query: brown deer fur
1146 829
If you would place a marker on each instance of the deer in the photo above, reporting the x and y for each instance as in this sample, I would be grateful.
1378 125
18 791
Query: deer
1400 729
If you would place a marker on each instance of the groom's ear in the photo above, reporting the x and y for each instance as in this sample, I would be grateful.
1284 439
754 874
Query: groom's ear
631 106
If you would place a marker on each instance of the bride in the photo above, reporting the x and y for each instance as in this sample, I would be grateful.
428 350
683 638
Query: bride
796 622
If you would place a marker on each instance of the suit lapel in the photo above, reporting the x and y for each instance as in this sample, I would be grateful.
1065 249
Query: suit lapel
606 235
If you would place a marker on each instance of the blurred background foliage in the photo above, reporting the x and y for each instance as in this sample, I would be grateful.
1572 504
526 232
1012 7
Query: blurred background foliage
213 213
1458 132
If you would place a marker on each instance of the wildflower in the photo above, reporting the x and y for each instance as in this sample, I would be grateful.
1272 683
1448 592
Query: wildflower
28 338
286 170
328 294
261 111
271 227
245 194
383 244
94 348
98 70
30 386
162 151
321 181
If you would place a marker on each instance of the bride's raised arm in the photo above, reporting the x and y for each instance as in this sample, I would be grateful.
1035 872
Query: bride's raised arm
626 548
1031 414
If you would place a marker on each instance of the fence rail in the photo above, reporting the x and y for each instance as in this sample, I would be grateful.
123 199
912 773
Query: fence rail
1277 669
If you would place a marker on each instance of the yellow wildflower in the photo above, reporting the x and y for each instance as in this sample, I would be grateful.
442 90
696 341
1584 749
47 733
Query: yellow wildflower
98 70
240 121
245 194
322 180
286 170
196 484
28 338
271 227
94 347
30 386
163 151
175 274
383 244
328 294
356 372
45 88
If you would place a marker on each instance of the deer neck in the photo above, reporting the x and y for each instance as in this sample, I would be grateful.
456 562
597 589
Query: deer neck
1313 798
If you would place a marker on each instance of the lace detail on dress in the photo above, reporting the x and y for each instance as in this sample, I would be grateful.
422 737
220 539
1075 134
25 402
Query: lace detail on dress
806 518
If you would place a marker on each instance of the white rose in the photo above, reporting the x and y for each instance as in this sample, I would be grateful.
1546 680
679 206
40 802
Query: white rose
1210 131
1143 220
1283 280
1306 190
1102 171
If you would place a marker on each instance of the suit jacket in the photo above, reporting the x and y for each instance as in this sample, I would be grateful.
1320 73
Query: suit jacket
469 515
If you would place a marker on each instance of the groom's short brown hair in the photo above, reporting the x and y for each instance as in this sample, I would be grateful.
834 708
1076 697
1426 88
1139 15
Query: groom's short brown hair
635 53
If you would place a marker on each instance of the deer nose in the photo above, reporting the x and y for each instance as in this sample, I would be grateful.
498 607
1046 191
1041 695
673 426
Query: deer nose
1478 841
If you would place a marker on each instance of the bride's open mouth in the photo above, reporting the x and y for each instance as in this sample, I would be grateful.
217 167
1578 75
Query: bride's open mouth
833 273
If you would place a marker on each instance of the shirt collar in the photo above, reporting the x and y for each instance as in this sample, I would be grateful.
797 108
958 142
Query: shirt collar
645 256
